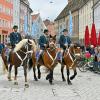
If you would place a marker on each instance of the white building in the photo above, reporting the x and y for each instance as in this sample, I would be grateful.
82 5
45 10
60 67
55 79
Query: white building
21 8
38 26
25 10
85 17
16 12
96 8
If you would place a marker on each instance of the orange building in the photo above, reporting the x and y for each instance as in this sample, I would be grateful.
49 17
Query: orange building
50 27
6 19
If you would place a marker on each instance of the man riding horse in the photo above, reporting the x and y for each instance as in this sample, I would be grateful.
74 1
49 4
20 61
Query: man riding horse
43 43
15 37
64 42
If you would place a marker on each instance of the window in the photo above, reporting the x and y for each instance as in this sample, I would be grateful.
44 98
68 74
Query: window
1 8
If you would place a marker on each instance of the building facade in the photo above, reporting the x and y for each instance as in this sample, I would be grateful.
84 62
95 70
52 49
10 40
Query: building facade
25 10
16 13
50 26
38 26
6 19
96 8
85 17
62 21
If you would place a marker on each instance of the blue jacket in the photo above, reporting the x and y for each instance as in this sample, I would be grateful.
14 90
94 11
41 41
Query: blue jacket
62 41
43 40
1 47
15 38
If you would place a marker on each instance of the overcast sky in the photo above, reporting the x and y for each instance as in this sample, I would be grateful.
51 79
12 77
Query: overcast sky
47 9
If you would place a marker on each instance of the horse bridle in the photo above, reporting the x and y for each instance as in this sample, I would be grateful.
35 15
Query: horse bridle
26 54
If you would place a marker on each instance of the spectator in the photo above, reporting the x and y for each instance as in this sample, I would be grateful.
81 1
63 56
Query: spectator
92 50
98 57
95 59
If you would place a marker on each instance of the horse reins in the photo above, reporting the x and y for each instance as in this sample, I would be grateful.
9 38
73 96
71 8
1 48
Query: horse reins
26 53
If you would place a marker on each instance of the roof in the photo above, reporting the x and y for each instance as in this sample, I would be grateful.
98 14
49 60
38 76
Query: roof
72 6
83 3
48 22
34 17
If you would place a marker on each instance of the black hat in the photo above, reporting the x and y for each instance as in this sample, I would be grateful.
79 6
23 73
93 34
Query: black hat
65 30
15 27
45 30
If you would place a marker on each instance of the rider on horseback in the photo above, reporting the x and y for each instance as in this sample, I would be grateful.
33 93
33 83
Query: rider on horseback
64 42
15 37
43 43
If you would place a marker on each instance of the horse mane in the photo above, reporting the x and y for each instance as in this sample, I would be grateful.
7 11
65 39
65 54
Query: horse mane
33 45
20 45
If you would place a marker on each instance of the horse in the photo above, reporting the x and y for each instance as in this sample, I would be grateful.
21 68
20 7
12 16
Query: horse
19 56
70 58
48 59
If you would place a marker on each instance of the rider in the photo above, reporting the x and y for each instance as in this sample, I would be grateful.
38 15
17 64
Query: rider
15 37
43 42
64 42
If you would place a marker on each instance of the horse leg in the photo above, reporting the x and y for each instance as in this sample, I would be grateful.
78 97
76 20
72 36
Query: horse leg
9 72
25 74
34 70
51 77
68 80
73 76
15 78
62 72
39 73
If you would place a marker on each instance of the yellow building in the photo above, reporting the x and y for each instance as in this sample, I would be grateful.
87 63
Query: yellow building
62 20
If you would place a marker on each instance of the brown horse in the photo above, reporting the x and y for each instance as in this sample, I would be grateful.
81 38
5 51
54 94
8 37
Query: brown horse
48 59
70 57
20 56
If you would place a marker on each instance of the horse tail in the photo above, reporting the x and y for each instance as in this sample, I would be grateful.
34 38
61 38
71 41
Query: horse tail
30 64
4 61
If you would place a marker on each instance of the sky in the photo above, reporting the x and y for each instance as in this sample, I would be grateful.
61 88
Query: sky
48 9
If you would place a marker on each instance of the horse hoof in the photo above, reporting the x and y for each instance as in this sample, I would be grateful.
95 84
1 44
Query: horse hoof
51 82
9 79
47 77
15 83
69 83
71 78
27 85
36 79
64 79
39 77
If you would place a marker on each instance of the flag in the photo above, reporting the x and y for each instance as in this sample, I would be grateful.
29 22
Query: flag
70 24
25 24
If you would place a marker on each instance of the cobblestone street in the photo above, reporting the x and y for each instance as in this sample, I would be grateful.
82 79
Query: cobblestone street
86 86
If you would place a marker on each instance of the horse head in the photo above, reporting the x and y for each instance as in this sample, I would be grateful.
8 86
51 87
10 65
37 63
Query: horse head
52 42
75 50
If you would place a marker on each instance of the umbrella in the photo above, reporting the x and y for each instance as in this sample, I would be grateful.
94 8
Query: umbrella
86 38
99 39
93 36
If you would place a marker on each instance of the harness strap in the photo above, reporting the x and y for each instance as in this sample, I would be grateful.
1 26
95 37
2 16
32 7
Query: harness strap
22 60
53 59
